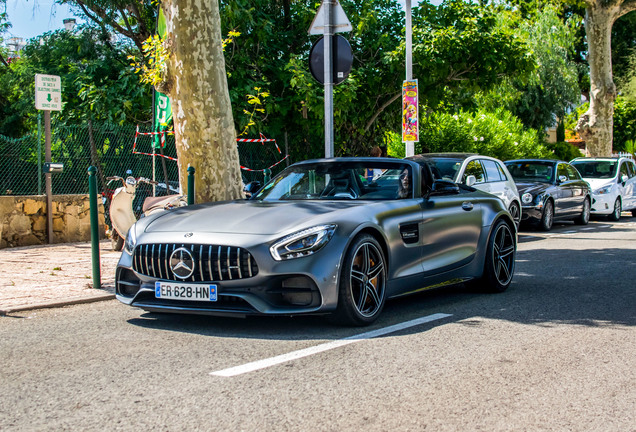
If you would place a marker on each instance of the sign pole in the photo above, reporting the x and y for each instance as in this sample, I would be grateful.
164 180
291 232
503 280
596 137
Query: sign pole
328 78
48 186
410 148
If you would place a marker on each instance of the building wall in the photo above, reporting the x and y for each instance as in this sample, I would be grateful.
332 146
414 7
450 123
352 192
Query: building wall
23 220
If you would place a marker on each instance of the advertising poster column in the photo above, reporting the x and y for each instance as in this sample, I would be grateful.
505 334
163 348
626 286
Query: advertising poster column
410 112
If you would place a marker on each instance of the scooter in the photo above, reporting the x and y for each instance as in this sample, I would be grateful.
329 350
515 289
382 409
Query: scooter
122 215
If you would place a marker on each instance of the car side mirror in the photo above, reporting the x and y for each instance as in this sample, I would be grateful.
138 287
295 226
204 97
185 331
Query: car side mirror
563 179
470 180
624 178
251 189
444 187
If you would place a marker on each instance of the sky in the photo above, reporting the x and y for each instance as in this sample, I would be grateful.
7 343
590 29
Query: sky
30 18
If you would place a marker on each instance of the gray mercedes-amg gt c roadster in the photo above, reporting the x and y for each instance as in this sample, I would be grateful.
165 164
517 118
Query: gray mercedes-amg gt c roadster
328 236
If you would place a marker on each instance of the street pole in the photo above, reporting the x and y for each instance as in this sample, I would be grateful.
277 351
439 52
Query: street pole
49 189
410 148
328 77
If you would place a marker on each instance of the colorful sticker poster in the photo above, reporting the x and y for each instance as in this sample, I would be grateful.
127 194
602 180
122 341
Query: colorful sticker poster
410 127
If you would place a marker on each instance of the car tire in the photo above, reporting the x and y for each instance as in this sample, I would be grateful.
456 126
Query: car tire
501 253
547 217
584 218
362 288
116 241
515 212
618 209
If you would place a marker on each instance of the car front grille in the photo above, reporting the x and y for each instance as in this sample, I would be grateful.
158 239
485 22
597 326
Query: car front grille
210 263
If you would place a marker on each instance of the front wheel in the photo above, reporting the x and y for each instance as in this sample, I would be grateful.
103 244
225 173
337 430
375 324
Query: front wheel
500 259
584 218
616 214
362 288
548 216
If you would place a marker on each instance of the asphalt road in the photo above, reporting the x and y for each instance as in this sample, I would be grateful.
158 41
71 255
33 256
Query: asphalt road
556 352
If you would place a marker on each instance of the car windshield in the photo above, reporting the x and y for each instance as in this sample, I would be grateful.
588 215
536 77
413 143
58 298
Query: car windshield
596 169
532 171
340 181
444 168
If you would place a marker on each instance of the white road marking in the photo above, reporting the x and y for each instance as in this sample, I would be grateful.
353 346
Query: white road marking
587 229
294 355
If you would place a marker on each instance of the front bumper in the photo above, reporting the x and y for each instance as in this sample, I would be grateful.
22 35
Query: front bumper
532 214
603 204
305 285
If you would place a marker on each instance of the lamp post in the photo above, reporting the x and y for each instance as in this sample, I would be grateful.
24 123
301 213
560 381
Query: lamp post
410 149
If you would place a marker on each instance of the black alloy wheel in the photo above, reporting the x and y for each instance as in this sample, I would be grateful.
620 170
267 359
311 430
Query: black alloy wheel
584 218
618 209
547 218
500 260
362 289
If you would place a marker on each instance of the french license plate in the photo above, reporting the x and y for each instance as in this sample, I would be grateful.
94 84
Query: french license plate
185 291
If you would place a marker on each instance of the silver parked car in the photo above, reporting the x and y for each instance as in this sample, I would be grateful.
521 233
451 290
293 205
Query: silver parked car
613 183
336 236
481 172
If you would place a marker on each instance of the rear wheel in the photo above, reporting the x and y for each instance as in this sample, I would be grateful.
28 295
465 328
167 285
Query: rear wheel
515 212
500 259
584 218
362 288
618 209
548 216
116 241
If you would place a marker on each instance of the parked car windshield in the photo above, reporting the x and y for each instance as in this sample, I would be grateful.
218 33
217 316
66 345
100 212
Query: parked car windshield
534 171
444 168
340 181
596 169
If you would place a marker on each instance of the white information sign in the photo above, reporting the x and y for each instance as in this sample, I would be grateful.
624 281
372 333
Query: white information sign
48 92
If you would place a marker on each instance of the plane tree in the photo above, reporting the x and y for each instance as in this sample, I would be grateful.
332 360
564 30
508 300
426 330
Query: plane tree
596 125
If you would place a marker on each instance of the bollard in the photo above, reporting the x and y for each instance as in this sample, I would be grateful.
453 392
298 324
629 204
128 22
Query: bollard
92 198
190 185
267 173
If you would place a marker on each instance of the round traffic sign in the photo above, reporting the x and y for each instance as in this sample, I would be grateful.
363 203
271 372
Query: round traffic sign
342 59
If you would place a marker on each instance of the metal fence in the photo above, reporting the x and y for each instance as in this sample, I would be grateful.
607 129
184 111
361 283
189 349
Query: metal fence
110 149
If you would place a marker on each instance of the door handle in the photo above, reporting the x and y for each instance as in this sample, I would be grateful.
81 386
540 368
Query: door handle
468 206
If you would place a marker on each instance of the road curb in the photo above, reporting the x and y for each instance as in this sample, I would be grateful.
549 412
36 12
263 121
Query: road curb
55 304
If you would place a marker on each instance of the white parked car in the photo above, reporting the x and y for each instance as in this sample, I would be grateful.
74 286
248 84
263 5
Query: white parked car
481 172
613 182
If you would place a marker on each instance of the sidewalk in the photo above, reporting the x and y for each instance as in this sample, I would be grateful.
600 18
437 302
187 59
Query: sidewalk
35 277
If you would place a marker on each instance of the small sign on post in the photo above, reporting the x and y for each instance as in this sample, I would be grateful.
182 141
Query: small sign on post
48 97
48 92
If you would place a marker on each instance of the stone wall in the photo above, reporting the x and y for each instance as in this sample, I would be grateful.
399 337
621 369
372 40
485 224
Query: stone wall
23 220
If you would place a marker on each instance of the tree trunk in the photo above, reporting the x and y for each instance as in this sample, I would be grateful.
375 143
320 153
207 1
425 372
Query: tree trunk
196 82
597 124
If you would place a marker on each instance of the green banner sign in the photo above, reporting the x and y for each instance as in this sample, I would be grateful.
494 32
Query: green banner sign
163 116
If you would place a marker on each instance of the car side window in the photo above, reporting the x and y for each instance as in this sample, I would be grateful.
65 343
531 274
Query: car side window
562 171
474 168
502 173
624 171
492 173
573 174
631 168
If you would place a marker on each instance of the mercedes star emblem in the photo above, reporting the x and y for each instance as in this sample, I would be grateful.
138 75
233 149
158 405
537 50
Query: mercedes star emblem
182 263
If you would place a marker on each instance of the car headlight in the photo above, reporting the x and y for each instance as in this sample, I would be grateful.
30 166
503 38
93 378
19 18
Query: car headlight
131 241
526 198
302 243
604 190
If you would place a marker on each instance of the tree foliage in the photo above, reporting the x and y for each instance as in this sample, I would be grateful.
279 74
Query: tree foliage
552 87
97 82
